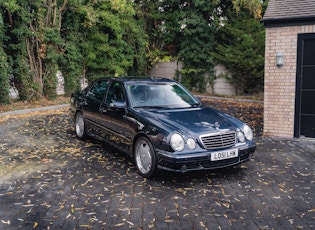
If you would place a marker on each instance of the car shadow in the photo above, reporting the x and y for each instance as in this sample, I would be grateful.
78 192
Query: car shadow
126 163
214 174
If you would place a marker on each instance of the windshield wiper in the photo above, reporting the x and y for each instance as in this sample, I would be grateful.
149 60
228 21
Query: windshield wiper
151 106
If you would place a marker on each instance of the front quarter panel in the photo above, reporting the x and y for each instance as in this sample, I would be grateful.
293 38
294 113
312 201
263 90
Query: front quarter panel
154 129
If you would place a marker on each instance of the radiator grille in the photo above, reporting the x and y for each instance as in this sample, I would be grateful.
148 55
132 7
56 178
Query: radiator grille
218 140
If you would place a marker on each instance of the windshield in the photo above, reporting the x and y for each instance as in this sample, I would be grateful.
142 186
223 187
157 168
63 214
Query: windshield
162 95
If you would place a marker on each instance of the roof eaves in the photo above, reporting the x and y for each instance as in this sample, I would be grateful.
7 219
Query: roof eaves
288 21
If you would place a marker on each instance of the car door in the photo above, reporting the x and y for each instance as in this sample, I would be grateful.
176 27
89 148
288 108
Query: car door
113 113
91 101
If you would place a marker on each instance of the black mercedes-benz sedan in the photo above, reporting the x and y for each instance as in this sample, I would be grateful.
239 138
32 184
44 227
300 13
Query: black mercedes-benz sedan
160 124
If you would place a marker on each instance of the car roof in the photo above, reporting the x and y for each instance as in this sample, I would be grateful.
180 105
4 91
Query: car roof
140 79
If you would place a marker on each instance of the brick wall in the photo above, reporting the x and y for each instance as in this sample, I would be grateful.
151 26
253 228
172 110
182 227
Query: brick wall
279 93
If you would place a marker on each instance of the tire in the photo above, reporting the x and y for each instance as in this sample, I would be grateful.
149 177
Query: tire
145 158
80 129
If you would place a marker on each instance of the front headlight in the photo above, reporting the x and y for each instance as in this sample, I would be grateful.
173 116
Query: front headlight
177 142
248 132
240 136
191 143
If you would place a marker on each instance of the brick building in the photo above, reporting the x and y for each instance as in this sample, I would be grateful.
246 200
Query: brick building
289 109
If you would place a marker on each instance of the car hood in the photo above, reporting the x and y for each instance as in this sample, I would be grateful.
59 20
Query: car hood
198 120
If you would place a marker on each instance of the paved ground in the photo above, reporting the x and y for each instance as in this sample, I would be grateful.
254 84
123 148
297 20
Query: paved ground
51 180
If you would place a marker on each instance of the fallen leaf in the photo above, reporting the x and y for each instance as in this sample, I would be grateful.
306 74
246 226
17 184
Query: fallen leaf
6 222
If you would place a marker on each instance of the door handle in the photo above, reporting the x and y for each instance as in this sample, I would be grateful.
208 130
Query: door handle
103 110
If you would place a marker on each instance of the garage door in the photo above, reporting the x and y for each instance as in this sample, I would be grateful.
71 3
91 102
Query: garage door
305 90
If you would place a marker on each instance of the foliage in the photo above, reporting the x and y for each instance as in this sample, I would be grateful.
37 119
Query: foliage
252 6
71 62
189 29
80 38
114 39
33 37
152 18
4 69
14 38
4 81
89 39
240 47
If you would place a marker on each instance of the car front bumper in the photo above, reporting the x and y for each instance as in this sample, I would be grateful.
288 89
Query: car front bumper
202 160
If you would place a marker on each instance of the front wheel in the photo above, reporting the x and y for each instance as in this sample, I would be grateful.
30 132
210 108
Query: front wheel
145 159
80 126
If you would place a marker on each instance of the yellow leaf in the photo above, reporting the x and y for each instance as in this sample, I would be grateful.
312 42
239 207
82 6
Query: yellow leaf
227 205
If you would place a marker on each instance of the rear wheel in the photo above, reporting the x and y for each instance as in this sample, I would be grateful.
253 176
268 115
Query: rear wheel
145 159
80 126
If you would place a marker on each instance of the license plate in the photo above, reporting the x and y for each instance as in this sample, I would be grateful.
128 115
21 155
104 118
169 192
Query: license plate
222 155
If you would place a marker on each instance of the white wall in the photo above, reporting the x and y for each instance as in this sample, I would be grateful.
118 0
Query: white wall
162 69
221 85
60 83
165 69
168 70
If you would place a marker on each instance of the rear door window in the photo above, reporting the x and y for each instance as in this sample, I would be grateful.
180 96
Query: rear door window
98 90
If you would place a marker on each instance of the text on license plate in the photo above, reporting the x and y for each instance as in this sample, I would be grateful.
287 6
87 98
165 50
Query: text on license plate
227 154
